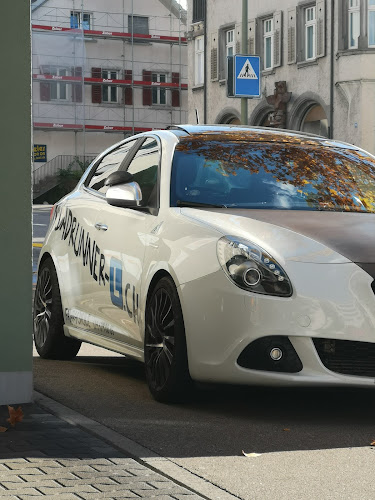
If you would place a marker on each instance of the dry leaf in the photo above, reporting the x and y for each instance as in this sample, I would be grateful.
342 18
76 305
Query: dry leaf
373 443
286 429
251 455
15 415
3 429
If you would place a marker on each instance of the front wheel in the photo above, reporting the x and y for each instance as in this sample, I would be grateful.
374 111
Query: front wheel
167 371
49 338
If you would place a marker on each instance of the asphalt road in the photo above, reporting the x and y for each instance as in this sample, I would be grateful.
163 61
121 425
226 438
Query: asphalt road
313 443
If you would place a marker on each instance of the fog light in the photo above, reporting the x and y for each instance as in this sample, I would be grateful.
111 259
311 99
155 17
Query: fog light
276 353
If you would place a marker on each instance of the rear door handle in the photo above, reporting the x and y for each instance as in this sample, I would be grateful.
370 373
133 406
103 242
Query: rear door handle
101 227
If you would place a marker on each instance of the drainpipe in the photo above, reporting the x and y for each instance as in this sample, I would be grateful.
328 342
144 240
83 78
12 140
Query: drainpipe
332 81
244 51
205 64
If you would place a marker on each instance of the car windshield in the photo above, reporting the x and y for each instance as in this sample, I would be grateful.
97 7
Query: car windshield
253 175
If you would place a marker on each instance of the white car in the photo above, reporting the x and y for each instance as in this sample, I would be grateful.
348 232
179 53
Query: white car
217 254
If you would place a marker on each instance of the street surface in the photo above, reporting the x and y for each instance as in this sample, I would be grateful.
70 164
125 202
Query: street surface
313 443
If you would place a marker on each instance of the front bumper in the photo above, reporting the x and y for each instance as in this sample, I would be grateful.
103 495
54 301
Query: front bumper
330 301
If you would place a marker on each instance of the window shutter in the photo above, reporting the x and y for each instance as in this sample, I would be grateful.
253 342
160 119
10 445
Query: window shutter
292 25
45 87
214 45
277 38
77 87
251 36
128 92
176 93
96 90
238 35
320 28
147 95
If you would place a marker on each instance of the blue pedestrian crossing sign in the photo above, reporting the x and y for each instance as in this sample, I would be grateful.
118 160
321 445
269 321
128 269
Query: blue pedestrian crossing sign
246 76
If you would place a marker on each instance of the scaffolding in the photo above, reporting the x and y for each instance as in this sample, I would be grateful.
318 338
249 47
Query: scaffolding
108 72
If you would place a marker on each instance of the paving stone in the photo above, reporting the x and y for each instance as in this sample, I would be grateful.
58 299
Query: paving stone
115 495
82 488
86 461
32 484
92 480
117 475
31 492
157 493
59 496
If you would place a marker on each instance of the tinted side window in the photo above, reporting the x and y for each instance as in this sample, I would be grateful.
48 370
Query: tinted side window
110 163
144 168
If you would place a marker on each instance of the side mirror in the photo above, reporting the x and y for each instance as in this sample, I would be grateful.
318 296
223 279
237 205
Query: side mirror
124 195
119 177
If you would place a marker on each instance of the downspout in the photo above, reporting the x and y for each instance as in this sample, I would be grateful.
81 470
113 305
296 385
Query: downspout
331 98
205 65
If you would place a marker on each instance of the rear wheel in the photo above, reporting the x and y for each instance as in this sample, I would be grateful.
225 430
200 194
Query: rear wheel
166 361
49 338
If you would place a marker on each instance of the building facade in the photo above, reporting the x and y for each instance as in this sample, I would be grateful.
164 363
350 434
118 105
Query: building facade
102 71
317 65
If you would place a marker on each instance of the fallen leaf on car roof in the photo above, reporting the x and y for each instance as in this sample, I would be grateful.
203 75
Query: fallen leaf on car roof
372 443
3 429
251 455
286 429
14 415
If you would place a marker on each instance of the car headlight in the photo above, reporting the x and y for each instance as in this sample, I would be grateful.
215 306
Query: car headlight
252 268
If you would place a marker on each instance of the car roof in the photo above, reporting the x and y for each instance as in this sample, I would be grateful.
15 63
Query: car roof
254 134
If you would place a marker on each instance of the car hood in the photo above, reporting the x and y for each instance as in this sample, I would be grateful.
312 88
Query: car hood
305 236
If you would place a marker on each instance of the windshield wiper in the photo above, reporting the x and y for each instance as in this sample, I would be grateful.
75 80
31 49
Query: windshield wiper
182 203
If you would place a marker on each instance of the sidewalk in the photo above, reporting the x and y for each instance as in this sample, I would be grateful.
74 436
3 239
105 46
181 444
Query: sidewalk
46 456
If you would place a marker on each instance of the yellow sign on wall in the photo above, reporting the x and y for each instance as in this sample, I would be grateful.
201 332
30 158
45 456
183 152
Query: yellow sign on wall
40 152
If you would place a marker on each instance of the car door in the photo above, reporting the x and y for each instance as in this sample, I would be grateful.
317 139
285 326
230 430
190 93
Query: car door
84 258
123 246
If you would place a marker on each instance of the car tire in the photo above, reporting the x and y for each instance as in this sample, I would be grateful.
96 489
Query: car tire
49 338
166 361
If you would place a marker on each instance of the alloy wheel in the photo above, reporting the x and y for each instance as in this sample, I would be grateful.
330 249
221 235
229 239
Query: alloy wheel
43 307
160 338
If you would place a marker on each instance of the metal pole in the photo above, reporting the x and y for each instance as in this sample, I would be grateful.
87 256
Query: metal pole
332 76
244 51
83 48
205 118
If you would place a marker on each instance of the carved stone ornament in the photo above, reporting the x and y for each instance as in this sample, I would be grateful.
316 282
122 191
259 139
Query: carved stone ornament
278 100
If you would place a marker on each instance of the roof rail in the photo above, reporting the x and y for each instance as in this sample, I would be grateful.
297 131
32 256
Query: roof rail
177 127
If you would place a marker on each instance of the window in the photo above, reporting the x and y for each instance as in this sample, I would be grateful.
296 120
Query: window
109 92
144 167
58 89
229 48
79 19
159 93
268 43
310 33
110 163
371 23
353 19
199 60
138 24
198 10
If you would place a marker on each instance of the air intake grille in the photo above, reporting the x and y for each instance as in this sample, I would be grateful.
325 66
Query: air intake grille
347 357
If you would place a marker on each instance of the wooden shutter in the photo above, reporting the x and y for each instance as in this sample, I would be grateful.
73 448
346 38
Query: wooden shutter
147 94
214 59
128 92
320 28
45 87
77 87
277 38
96 90
292 26
176 93
251 29
238 39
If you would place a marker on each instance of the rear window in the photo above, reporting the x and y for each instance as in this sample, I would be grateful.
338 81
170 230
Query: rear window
272 176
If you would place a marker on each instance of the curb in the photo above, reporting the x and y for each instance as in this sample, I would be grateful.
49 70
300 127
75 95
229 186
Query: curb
149 458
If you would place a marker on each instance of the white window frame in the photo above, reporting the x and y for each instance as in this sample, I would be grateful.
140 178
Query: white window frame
109 74
78 14
199 60
371 28
157 91
230 42
310 23
353 23
268 35
59 71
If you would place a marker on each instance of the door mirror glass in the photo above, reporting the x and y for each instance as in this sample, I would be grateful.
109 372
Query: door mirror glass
124 195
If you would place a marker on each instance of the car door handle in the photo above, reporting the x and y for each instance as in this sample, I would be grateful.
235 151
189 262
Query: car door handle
101 227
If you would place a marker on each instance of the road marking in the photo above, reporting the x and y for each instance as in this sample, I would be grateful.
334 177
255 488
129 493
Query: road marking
39 245
36 224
